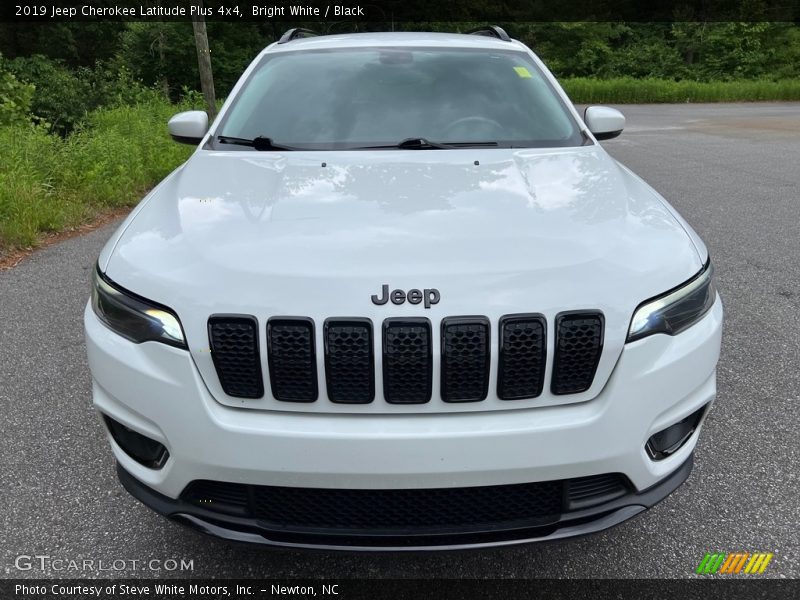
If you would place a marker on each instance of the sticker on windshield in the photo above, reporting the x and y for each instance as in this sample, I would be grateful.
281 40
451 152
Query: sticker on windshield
523 72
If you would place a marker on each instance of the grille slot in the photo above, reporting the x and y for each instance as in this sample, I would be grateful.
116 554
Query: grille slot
579 344
234 349
523 356
407 360
597 489
292 359
349 360
231 498
465 359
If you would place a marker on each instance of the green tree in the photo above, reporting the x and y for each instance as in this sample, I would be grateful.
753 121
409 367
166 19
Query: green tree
164 54
736 51
15 97
61 98
77 44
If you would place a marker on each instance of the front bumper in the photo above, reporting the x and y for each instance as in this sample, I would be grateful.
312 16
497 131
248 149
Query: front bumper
570 524
156 390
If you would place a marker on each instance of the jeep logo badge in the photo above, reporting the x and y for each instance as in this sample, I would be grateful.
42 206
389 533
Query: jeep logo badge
428 296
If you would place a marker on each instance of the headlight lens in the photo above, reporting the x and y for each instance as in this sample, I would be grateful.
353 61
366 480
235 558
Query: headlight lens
677 310
134 318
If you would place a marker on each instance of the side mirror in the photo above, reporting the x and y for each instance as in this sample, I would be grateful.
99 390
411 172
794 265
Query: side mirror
604 122
188 127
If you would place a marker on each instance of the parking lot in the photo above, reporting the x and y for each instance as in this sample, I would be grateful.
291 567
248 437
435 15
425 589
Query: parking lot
732 170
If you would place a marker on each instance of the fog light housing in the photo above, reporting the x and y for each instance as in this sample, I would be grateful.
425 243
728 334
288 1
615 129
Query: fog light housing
668 441
142 449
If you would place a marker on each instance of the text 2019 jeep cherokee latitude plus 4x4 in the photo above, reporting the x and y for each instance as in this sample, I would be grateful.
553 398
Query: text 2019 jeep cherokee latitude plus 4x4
401 298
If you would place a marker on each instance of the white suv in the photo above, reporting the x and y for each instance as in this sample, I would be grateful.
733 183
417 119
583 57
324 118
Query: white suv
401 298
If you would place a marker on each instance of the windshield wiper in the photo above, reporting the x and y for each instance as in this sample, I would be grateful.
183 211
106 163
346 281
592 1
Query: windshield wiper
257 143
472 144
416 143
420 144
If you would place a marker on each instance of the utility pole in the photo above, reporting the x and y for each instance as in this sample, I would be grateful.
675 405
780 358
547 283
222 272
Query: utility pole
204 62
161 67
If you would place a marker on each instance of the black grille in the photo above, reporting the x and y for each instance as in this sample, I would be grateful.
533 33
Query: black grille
523 356
579 343
465 359
349 360
414 509
407 357
292 360
297 508
234 350
407 361
597 489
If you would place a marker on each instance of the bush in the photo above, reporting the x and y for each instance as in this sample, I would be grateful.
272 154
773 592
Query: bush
15 98
116 86
63 97
48 183
119 152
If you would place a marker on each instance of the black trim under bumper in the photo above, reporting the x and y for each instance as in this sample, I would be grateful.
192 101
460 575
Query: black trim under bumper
569 524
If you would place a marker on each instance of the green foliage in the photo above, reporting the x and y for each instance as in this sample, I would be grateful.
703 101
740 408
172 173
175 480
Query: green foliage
738 50
163 55
115 86
76 43
160 54
622 90
60 99
576 49
64 96
15 97
48 183
698 51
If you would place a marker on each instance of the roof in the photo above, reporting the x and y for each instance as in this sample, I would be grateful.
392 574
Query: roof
401 38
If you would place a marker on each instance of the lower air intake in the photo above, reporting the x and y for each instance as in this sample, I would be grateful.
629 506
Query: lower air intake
407 510
381 510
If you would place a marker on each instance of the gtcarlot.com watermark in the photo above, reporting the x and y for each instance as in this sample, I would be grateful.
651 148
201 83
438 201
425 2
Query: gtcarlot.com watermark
44 563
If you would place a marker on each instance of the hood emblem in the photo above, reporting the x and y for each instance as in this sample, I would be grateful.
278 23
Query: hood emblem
427 296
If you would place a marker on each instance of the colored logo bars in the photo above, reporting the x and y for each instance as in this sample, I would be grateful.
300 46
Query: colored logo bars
738 562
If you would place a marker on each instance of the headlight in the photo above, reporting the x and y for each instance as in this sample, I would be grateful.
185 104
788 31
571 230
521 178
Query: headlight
677 310
132 317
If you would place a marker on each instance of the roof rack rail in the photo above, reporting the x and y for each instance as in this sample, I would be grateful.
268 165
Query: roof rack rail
296 33
491 31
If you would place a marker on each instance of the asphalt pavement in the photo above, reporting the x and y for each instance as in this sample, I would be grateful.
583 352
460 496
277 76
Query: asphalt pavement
732 170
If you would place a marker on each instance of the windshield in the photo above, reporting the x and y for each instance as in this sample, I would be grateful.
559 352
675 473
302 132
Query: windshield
379 97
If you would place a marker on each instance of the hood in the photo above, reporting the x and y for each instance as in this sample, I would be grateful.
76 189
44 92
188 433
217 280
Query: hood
317 233
235 217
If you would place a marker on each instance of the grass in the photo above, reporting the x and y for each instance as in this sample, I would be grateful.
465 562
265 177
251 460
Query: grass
49 184
626 90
